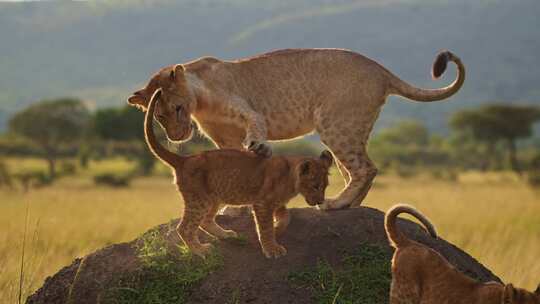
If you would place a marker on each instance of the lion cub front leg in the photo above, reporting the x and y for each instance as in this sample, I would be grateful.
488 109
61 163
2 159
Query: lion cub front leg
210 226
264 220
256 129
256 136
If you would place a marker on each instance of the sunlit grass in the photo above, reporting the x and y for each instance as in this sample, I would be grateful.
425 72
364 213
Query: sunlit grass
19 165
116 164
73 218
496 218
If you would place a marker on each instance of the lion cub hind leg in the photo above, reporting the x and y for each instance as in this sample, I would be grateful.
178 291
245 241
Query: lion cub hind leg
264 220
362 172
343 171
404 291
282 219
194 213
210 226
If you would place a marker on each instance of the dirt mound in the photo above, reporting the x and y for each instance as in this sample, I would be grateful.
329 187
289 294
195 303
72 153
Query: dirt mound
340 254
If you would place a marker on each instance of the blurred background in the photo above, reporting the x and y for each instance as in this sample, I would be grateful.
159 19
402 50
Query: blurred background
75 173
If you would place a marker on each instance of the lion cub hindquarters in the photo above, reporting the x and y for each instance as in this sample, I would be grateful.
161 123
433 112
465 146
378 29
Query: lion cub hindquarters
422 275
233 177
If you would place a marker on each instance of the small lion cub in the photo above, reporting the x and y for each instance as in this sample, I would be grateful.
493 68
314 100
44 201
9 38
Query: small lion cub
422 275
233 177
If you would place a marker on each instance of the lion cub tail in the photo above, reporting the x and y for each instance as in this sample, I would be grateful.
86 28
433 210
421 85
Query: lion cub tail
402 88
396 237
157 149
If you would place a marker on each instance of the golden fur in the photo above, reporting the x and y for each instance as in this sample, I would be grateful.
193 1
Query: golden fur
234 177
286 94
420 275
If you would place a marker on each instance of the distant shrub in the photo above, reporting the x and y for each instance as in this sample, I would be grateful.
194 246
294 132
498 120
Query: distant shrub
84 156
145 163
437 173
535 162
403 171
112 180
67 169
17 146
451 175
33 179
444 174
42 179
533 176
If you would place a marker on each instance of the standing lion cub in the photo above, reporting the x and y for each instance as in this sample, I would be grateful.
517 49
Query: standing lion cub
421 275
235 177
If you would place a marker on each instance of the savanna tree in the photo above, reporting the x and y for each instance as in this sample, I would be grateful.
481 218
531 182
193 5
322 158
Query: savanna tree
498 123
118 124
408 143
52 125
124 126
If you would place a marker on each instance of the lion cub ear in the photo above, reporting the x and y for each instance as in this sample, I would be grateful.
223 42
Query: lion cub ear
537 291
137 100
509 294
176 72
327 158
304 168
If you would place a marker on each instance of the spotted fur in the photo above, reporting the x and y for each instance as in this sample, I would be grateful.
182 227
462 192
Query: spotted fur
286 94
219 177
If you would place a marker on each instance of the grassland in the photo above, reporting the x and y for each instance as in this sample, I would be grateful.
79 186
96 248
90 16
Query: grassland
494 217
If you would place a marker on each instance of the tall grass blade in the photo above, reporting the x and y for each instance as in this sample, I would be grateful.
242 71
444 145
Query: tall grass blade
21 273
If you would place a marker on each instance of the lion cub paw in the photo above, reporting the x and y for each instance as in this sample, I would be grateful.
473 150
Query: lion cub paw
260 148
333 204
274 251
229 234
203 250
236 211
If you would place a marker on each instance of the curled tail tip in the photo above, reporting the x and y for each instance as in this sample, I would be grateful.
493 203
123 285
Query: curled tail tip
396 237
428 226
440 63
431 230
400 206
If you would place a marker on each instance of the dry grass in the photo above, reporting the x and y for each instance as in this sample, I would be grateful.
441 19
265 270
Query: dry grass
495 218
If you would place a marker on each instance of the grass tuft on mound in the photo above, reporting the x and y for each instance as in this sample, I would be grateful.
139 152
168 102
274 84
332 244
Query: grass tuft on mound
363 277
167 275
